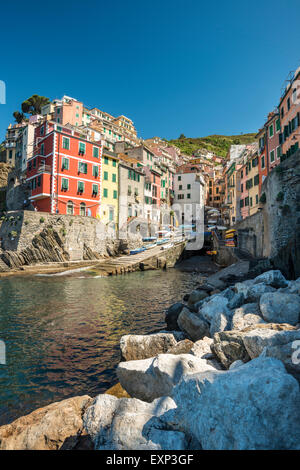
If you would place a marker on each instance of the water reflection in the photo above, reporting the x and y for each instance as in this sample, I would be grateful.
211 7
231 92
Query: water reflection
62 334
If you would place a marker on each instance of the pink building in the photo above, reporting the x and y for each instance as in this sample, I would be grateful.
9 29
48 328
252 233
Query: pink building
244 197
273 130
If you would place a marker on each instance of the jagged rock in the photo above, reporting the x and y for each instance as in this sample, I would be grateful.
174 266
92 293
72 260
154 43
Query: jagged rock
236 301
279 307
193 325
236 364
129 424
202 349
143 346
196 296
206 287
257 290
246 315
217 305
172 316
220 322
294 286
279 342
178 335
253 407
46 428
183 347
155 377
272 278
243 287
229 347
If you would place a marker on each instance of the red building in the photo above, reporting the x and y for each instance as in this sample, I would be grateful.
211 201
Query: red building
272 133
289 108
156 188
65 171
263 161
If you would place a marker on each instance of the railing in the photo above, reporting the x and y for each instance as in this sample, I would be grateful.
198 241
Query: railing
44 169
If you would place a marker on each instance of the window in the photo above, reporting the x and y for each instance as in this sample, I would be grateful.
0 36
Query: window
242 188
82 209
64 184
66 143
81 148
70 208
39 180
82 167
250 201
256 199
114 178
263 161
288 104
111 213
42 130
180 187
105 175
96 152
80 186
95 189
179 178
65 164
34 163
105 192
29 166
115 194
129 191
188 186
106 160
42 149
188 196
278 152
277 125
114 163
256 180
247 201
272 156
58 111
271 130
95 171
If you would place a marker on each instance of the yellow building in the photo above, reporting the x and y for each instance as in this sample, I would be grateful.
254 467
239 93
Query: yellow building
252 183
109 210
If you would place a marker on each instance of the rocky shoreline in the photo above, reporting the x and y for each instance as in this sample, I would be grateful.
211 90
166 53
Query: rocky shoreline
224 374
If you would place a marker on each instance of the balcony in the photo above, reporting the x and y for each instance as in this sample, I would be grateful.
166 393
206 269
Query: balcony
44 169
10 145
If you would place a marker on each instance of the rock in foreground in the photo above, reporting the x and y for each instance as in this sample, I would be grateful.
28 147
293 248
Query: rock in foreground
46 428
255 406
134 347
129 424
155 377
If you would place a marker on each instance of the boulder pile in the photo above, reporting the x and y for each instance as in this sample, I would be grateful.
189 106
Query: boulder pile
223 375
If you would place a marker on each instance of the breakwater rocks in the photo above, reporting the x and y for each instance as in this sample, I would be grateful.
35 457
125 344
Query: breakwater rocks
223 375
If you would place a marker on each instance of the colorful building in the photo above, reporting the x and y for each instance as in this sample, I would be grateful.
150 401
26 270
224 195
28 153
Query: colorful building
109 212
289 109
65 171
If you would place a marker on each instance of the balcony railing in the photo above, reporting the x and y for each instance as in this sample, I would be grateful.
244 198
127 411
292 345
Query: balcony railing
44 169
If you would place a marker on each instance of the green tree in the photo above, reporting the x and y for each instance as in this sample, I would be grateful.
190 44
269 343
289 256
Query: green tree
34 104
19 117
182 136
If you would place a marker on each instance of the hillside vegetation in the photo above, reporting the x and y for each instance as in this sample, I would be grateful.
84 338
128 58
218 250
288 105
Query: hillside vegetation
218 144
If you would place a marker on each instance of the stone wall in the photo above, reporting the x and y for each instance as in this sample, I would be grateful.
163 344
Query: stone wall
34 237
251 235
274 232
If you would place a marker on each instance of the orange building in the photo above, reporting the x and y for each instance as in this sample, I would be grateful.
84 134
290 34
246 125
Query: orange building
65 171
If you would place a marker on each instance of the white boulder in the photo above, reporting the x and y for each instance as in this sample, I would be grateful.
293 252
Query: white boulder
279 307
129 424
148 379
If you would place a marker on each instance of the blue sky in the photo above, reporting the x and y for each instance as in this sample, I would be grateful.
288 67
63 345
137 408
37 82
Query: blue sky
174 67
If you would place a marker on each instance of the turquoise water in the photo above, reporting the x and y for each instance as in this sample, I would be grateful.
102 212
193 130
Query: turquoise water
62 333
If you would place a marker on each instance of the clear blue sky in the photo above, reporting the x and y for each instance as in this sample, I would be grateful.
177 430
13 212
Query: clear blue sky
180 66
